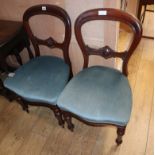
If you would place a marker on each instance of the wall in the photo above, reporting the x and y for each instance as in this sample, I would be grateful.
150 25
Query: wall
97 34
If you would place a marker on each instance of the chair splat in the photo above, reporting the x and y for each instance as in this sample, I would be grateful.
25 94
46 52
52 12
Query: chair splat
50 42
105 52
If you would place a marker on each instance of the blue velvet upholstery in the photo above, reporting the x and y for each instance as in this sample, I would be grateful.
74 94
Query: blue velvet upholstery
99 95
40 80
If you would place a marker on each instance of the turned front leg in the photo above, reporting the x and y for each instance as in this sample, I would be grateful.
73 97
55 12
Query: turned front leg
58 115
120 133
68 120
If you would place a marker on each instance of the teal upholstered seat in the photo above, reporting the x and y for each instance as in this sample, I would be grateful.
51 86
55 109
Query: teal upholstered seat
99 95
42 78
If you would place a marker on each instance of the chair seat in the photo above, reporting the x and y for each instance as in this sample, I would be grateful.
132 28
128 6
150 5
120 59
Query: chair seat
98 95
42 79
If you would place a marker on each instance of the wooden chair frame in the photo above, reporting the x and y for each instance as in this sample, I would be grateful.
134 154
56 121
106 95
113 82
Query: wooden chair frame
58 12
106 52
141 15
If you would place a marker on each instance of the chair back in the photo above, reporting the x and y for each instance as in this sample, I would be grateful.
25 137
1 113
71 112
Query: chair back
45 9
106 51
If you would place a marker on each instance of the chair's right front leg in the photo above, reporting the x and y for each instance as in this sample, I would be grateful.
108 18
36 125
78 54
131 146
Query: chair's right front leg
120 133
68 120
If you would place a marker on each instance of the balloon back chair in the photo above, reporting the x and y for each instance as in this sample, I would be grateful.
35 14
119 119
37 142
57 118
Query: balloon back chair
100 95
40 81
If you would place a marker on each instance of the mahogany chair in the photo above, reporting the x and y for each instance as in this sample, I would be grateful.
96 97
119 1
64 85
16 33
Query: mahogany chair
41 80
101 95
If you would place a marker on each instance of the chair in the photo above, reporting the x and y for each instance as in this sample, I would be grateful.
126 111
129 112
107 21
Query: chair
101 95
41 80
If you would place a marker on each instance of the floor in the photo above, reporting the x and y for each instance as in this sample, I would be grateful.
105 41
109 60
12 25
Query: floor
37 133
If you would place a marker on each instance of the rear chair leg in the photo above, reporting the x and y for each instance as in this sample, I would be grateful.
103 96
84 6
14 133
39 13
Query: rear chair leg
58 115
24 104
68 120
120 133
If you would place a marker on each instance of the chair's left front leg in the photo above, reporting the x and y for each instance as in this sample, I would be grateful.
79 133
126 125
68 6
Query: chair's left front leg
68 120
23 103
58 115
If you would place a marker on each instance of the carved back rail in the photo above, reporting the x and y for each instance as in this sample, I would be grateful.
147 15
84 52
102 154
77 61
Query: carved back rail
55 11
106 51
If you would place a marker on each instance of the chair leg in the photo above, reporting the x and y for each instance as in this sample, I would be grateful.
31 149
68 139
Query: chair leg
120 133
143 15
68 120
58 115
24 104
